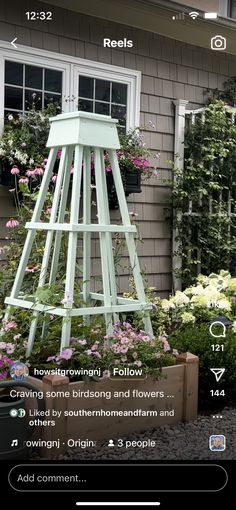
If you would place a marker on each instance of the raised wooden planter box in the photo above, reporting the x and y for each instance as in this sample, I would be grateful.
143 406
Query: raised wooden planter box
179 380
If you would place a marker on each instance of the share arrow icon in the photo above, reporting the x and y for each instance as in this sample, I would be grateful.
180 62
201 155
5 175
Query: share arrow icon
218 372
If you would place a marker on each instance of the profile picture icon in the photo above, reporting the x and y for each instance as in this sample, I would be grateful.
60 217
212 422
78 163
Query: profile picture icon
19 371
217 443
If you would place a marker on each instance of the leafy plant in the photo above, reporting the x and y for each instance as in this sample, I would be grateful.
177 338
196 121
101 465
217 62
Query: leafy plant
204 194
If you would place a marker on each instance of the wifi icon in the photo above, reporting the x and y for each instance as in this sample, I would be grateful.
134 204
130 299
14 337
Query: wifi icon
194 14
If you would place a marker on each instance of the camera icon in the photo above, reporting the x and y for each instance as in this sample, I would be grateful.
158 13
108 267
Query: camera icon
218 42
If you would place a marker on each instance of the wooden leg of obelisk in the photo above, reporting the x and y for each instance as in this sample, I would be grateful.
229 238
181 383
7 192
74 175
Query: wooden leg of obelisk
103 238
31 234
110 253
60 219
61 216
72 246
86 235
48 245
129 238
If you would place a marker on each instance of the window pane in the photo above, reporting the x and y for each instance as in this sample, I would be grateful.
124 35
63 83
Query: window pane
102 108
86 86
14 73
52 98
119 112
86 106
119 93
53 80
13 98
102 90
31 98
33 77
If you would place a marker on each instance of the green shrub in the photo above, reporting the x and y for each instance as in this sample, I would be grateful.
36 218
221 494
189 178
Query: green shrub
196 338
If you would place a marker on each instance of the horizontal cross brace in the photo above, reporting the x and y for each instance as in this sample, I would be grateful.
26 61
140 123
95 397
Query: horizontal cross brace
74 312
71 227
100 297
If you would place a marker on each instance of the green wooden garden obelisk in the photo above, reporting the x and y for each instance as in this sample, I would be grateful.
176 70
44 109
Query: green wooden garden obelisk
80 135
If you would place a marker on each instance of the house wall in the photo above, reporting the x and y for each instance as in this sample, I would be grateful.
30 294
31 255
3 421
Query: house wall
170 70
233 9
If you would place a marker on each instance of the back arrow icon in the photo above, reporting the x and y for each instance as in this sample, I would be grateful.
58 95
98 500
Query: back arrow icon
13 42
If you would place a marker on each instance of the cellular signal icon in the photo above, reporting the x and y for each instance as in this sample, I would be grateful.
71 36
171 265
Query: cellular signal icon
194 14
179 17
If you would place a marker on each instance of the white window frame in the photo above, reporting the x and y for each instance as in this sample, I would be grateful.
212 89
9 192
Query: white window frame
116 74
71 68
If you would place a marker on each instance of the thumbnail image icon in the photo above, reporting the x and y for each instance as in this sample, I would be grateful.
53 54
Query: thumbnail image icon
217 443
19 371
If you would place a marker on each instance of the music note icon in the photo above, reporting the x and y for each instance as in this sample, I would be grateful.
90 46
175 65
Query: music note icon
14 442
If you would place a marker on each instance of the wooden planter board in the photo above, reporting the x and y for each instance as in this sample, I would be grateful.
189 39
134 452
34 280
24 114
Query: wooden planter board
179 380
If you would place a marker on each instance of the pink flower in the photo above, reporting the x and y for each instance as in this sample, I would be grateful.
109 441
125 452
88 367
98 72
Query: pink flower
97 354
82 342
31 269
10 348
48 210
3 345
175 352
4 374
166 346
15 170
72 169
11 223
30 172
59 153
38 171
94 347
54 178
158 355
155 172
108 169
137 162
134 355
23 180
16 337
89 352
146 163
67 354
51 358
9 325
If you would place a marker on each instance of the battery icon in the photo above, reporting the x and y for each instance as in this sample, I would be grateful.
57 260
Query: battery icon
210 15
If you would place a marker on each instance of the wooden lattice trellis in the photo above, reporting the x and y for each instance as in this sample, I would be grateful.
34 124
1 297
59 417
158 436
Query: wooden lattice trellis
225 204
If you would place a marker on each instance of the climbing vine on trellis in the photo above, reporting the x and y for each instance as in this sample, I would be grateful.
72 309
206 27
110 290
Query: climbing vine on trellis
204 194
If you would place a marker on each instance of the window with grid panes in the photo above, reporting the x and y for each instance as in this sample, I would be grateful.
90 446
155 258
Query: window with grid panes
27 84
103 97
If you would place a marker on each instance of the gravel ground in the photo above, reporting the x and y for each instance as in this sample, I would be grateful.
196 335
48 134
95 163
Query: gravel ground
184 441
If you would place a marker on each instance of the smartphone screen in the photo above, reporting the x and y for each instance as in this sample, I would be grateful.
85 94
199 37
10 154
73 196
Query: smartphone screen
118 252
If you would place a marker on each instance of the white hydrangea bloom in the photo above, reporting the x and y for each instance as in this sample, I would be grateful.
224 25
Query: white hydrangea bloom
187 318
167 305
180 299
